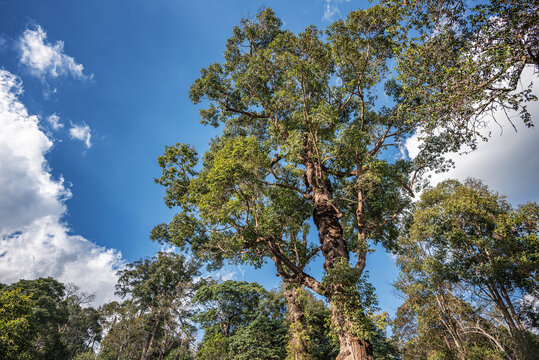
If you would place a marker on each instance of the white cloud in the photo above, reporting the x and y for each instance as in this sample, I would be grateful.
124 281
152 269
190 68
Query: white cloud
82 133
508 162
226 274
43 58
45 248
34 242
331 9
27 190
54 120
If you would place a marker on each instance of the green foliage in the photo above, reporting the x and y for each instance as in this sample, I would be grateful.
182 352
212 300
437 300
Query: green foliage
82 330
262 339
48 315
314 328
305 140
213 346
88 355
476 236
15 330
468 261
44 319
124 331
294 139
228 305
464 59
157 282
355 296
241 321
383 348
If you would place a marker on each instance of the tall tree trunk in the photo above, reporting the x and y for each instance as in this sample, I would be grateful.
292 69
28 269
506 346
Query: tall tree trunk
351 347
298 344
523 347
326 217
334 250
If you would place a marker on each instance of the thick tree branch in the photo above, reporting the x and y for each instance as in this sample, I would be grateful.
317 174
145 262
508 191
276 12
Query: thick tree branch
299 275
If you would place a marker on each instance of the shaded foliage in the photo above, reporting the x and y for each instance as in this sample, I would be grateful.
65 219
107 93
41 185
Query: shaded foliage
44 321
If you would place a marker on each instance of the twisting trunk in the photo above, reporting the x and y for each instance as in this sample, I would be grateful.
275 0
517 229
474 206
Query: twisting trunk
326 217
298 344
330 233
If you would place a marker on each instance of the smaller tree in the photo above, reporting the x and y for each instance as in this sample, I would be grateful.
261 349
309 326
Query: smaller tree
161 289
228 305
241 320
49 314
55 320
262 339
471 258
83 329
124 327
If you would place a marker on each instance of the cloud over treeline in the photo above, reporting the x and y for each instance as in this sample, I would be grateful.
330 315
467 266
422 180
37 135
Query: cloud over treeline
34 240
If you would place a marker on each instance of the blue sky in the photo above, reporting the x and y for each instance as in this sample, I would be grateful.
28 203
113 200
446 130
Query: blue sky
114 76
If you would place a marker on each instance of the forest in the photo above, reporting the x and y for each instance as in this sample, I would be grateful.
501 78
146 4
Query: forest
307 171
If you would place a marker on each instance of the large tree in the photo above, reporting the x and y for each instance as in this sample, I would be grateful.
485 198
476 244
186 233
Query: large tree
305 140
83 330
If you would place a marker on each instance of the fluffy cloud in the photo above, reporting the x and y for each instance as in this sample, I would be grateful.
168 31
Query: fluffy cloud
508 162
27 190
45 248
34 241
82 133
54 121
43 58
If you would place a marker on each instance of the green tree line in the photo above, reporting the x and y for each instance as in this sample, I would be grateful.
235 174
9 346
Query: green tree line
468 262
